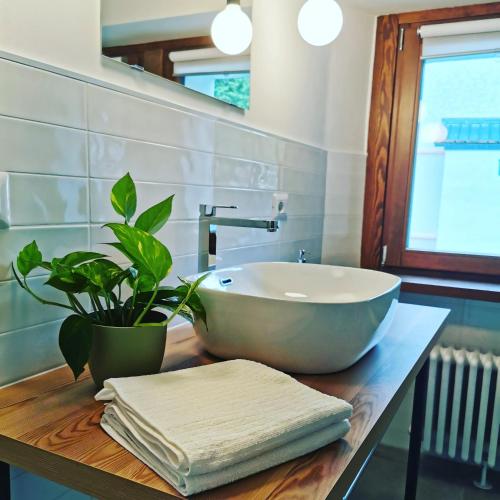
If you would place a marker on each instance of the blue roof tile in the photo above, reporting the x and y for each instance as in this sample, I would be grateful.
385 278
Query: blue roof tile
475 133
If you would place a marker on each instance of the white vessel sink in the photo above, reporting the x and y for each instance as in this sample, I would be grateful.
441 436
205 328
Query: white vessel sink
300 318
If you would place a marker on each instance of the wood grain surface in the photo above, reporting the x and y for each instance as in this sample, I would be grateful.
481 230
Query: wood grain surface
384 67
391 141
463 13
459 288
50 426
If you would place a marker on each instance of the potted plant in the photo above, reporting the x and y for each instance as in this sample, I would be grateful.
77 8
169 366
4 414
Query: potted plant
115 324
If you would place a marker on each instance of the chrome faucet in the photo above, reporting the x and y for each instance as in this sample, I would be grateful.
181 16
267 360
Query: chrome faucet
207 242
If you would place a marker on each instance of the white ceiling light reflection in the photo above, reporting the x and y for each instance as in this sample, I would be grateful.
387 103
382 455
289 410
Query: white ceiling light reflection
320 21
232 29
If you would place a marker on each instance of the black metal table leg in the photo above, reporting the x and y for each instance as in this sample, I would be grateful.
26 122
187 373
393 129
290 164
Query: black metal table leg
417 429
4 481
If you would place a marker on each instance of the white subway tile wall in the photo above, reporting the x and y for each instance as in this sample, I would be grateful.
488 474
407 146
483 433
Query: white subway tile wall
65 142
345 186
40 96
39 148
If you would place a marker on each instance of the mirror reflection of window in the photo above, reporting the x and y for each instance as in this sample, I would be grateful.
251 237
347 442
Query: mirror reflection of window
172 40
233 88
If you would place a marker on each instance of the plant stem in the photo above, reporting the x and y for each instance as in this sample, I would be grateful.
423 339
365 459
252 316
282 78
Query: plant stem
179 307
148 306
122 315
76 303
94 307
132 305
98 304
46 302
108 306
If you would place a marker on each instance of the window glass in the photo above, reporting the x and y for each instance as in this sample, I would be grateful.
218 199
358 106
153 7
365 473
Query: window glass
455 192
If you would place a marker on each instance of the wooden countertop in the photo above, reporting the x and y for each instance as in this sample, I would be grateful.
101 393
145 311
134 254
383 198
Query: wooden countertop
50 425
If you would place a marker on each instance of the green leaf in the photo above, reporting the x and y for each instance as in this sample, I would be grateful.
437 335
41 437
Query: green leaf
143 282
173 305
102 273
29 258
194 303
164 293
148 254
182 299
193 299
124 197
75 342
67 280
121 249
153 219
193 285
77 258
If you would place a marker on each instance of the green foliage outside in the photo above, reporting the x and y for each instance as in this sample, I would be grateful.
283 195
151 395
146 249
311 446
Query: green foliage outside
235 91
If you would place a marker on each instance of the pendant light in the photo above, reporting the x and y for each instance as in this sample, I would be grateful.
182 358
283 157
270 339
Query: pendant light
320 21
232 29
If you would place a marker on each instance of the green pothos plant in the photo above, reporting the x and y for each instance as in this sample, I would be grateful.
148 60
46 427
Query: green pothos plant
99 291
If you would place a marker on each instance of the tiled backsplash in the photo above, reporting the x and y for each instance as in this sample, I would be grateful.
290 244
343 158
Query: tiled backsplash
345 187
63 144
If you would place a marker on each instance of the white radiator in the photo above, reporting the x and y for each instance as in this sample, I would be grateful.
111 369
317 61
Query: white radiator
462 417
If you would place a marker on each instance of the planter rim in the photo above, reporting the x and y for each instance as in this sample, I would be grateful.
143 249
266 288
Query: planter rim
109 327
96 325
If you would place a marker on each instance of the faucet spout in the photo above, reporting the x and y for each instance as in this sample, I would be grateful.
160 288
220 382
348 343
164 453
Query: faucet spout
208 223
270 225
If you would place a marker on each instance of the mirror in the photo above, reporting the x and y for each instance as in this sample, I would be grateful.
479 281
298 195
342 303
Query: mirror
171 39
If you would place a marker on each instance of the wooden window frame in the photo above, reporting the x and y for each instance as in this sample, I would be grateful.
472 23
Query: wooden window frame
154 56
395 97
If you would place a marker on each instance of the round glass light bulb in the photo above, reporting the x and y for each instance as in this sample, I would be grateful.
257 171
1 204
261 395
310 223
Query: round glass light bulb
232 30
320 21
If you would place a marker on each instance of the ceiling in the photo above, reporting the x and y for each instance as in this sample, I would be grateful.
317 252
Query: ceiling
115 12
127 22
157 29
397 6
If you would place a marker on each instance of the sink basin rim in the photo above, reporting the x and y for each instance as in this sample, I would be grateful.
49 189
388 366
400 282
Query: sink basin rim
227 291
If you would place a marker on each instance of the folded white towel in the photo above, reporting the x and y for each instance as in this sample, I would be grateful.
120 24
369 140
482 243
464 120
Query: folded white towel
203 427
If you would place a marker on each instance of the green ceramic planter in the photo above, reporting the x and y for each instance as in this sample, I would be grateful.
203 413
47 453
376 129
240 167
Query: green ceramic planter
127 352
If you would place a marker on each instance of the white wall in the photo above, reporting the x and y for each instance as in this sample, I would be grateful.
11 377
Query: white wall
290 78
318 96
126 11
345 137
289 83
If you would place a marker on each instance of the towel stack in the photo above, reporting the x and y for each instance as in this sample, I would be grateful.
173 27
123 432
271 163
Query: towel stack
207 426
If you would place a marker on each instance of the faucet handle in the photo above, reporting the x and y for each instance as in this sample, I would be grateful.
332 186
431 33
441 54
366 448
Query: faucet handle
210 210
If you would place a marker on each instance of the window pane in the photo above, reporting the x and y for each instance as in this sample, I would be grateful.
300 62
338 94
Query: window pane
455 195
233 88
